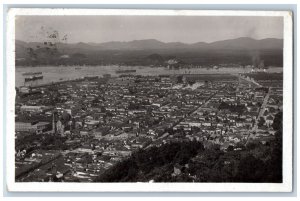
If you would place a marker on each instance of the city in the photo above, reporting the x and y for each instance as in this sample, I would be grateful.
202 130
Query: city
149 99
74 131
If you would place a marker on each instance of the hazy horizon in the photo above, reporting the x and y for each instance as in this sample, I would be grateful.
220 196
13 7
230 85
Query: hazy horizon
183 29
154 39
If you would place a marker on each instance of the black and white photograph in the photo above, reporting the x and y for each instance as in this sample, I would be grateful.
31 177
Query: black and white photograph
166 100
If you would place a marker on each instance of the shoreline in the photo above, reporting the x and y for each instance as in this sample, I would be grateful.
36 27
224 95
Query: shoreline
62 74
86 66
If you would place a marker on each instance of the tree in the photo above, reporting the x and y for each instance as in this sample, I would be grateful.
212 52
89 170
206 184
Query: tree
191 82
261 122
277 124
154 163
251 169
180 79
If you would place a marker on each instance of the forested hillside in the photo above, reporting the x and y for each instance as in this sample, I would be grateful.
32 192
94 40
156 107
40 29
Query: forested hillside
190 162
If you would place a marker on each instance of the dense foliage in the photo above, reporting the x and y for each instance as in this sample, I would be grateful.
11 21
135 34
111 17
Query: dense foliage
265 76
154 163
256 162
232 108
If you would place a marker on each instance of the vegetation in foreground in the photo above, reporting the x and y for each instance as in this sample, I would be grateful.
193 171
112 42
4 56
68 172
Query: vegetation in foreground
190 162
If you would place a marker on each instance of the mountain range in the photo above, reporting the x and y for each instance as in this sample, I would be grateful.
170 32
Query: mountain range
134 52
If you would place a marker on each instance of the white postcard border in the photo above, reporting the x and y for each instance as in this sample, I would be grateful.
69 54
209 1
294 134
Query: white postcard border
286 186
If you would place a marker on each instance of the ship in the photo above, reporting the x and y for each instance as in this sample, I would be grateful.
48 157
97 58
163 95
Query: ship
32 73
125 71
33 78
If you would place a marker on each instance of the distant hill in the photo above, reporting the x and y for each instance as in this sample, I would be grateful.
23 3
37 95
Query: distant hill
140 52
248 43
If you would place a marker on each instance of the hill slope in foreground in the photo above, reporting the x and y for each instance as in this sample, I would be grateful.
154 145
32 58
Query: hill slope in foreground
190 162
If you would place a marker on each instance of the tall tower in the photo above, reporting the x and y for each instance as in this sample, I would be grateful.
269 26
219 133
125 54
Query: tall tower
239 83
53 123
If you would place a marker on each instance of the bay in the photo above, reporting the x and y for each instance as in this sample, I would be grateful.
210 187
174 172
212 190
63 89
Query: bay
63 73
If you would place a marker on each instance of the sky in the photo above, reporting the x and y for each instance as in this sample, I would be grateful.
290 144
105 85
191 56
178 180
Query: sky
186 29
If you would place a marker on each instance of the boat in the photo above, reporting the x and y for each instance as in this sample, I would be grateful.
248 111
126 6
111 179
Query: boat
90 77
125 71
32 78
77 68
32 73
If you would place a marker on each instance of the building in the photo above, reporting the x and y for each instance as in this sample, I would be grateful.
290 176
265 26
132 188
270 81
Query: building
24 90
33 127
269 120
60 128
32 108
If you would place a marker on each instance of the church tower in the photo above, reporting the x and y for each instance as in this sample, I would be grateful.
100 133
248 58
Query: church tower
53 123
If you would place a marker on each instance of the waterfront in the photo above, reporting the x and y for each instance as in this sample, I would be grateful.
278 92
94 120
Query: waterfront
63 73
80 131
